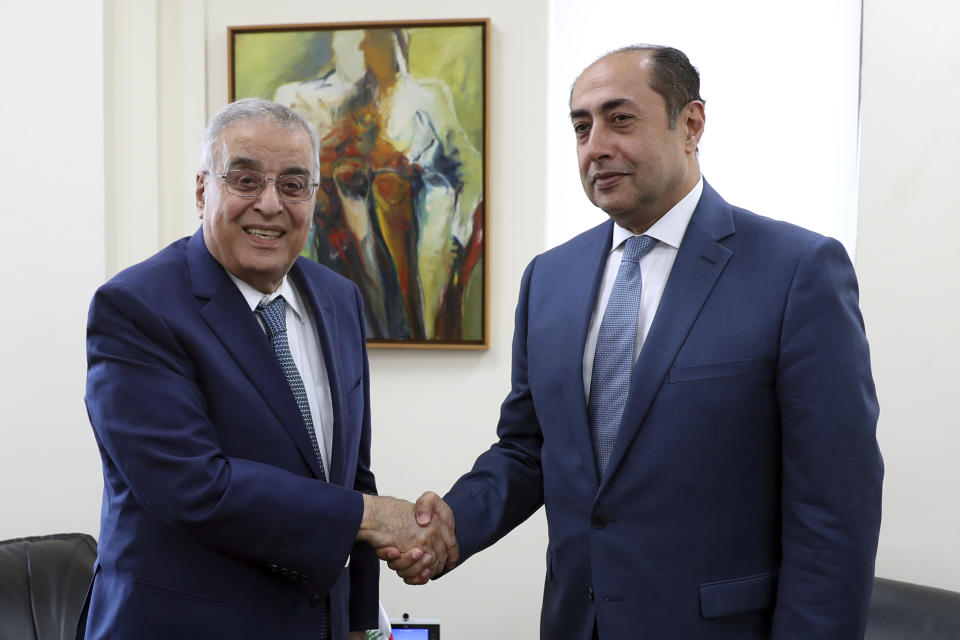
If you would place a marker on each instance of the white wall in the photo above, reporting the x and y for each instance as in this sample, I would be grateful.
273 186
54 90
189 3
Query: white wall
908 263
780 80
52 133
156 113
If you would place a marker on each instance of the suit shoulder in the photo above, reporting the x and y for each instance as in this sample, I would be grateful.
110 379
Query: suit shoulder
163 264
586 241
325 277
322 273
777 237
154 277
754 223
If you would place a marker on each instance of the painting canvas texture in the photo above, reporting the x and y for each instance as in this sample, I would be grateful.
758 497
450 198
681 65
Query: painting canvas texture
400 208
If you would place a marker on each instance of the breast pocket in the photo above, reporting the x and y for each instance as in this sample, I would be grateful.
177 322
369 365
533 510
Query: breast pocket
709 371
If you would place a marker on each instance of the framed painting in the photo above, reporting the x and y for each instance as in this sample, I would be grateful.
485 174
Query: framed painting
400 108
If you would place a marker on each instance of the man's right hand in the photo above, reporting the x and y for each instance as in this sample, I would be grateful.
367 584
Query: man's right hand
393 528
431 511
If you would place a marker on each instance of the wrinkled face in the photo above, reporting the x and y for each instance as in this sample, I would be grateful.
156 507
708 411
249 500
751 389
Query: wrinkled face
632 164
256 239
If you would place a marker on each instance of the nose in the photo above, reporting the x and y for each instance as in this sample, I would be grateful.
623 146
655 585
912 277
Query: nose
597 145
269 202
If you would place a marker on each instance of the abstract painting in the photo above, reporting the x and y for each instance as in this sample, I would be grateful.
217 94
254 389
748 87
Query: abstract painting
401 113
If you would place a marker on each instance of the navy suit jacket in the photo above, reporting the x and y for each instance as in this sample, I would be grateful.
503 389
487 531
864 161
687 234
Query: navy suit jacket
742 497
215 521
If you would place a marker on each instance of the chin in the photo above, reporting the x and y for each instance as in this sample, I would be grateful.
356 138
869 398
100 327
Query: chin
615 212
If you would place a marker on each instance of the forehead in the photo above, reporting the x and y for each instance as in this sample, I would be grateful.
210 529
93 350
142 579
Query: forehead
265 145
618 77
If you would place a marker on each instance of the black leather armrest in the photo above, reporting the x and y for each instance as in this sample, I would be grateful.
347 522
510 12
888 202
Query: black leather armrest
905 611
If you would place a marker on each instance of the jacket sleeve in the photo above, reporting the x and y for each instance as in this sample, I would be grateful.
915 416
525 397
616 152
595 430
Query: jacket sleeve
832 468
505 486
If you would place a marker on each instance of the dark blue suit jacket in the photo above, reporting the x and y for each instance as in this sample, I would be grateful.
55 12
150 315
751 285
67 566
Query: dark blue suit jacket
215 523
742 499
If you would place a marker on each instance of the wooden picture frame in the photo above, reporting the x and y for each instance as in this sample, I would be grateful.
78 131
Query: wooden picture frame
401 109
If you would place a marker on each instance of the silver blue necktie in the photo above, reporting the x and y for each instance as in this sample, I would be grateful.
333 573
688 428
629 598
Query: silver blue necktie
613 360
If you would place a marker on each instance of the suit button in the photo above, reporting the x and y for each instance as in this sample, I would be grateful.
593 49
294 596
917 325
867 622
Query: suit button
317 600
284 572
590 593
274 568
294 575
598 523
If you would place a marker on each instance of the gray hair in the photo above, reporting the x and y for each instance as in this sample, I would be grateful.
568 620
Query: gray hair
254 109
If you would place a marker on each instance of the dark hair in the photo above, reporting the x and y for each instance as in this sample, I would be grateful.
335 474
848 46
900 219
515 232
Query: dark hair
671 75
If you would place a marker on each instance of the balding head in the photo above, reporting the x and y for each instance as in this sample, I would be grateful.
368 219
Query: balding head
670 74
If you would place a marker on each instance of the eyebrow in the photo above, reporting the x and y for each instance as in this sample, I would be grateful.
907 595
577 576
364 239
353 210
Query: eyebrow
240 161
251 163
606 106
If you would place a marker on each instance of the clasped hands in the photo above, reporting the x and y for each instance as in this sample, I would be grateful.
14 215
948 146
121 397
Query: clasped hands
418 541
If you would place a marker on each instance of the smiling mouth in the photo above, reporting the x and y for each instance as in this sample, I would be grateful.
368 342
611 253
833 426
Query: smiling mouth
263 234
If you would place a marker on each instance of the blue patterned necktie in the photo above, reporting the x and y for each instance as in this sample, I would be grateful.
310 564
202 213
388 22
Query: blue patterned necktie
613 360
274 316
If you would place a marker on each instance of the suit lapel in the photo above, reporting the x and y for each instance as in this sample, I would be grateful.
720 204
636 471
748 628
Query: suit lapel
325 319
699 263
230 319
580 295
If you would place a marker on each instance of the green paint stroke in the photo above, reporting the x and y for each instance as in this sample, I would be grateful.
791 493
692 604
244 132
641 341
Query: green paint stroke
264 61
455 56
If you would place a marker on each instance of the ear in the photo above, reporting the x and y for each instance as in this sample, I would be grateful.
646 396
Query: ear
201 187
693 117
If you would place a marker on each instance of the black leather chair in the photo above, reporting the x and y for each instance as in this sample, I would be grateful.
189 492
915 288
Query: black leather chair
905 611
43 583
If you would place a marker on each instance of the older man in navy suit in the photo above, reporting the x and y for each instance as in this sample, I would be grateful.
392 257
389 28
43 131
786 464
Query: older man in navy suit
691 399
228 391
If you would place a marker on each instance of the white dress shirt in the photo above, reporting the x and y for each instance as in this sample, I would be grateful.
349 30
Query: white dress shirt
307 355
655 268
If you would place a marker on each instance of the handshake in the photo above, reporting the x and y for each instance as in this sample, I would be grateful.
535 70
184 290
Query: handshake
418 541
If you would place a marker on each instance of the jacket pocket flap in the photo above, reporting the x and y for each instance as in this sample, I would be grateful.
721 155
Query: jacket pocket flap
712 370
728 597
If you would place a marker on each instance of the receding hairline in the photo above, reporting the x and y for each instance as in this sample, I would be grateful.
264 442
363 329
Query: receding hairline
219 143
254 110
645 52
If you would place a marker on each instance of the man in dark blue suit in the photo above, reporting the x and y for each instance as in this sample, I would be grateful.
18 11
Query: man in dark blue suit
724 482
228 392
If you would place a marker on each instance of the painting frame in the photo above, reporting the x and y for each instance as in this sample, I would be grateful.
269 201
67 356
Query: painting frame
420 258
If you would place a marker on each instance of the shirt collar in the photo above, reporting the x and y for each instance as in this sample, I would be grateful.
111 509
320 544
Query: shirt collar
254 297
669 229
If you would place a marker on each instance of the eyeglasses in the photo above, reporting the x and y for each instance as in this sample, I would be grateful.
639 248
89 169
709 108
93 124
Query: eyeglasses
244 183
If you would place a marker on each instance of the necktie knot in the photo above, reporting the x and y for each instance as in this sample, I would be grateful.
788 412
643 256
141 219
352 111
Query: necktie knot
274 316
636 247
